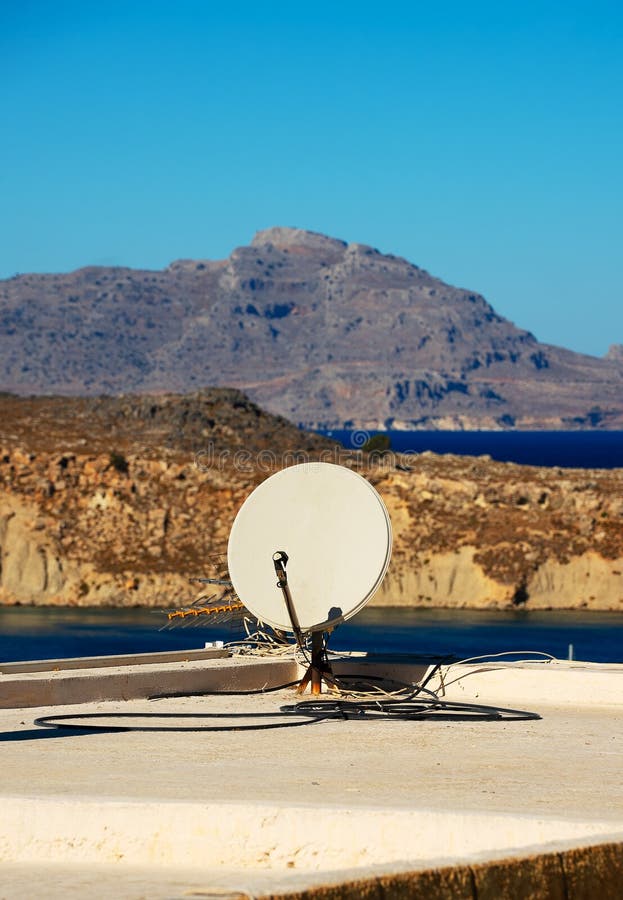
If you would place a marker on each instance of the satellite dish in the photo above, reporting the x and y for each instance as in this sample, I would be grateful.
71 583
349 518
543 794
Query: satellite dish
334 534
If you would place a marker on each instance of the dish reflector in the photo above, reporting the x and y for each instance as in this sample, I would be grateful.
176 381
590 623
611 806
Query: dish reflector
336 532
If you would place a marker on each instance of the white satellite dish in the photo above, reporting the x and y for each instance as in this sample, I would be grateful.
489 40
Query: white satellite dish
328 528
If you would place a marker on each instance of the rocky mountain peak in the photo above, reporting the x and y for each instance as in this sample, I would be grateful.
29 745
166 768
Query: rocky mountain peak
615 353
288 238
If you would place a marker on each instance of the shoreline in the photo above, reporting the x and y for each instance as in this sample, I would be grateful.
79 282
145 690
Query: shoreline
389 607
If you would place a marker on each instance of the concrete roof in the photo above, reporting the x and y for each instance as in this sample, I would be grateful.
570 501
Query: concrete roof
263 812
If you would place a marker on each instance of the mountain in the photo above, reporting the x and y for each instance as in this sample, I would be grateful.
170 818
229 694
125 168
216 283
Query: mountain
322 332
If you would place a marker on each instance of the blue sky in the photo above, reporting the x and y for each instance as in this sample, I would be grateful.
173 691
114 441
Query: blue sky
481 140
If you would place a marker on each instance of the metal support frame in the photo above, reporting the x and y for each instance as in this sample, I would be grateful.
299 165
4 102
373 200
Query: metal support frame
319 667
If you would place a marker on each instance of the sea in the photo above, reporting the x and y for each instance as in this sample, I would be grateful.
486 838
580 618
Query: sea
587 449
58 632
53 632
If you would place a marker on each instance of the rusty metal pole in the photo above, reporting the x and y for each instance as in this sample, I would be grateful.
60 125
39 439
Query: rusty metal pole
316 663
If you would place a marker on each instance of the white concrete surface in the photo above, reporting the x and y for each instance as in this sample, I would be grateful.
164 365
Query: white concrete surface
555 682
251 810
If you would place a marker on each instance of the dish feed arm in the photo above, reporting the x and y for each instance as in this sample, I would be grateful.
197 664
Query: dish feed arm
280 561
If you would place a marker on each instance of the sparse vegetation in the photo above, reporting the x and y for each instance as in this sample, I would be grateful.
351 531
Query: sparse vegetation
119 462
378 443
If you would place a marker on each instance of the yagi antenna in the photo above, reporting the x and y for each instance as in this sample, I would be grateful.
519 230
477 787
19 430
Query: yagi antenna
307 550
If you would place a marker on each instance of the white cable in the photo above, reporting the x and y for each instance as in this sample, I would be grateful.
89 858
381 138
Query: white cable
548 656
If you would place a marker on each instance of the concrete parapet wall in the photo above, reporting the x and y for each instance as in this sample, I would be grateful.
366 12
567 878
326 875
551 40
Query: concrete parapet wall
104 662
259 837
125 682
254 839
556 682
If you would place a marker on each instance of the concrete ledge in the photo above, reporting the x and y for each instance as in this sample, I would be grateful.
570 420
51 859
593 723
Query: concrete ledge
101 662
255 836
40 683
142 680
258 837
393 850
556 682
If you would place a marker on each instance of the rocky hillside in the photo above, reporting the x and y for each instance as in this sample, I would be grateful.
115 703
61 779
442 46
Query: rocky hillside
317 330
219 422
118 502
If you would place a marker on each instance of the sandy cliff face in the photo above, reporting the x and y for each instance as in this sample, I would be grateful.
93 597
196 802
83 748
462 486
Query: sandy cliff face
471 532
31 563
118 500
75 530
79 526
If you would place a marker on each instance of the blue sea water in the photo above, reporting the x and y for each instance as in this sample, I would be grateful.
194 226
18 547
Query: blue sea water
567 449
49 632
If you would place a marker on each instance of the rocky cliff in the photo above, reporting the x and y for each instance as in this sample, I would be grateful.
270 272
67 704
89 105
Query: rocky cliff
323 332
119 501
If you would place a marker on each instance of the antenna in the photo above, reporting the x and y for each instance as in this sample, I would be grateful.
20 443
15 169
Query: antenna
308 548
